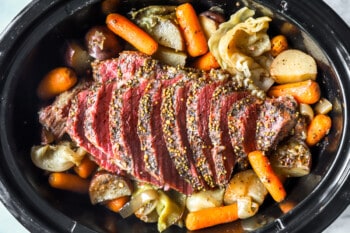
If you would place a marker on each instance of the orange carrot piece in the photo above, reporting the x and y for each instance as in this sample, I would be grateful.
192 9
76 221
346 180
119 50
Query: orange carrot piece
306 92
56 81
85 168
133 34
286 206
279 43
261 165
318 128
196 42
211 217
206 62
116 204
69 182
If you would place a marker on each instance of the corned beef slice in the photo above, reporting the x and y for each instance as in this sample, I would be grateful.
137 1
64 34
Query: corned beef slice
129 65
97 118
173 115
54 116
171 127
197 115
156 155
242 127
224 158
277 117
75 128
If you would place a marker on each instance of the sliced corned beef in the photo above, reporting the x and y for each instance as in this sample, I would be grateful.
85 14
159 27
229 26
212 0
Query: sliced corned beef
223 155
130 65
197 115
277 117
242 119
171 127
97 117
156 155
123 131
54 116
75 129
173 115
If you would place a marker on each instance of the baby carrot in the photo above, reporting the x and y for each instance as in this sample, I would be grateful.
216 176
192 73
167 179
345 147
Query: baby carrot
85 168
69 182
196 42
286 206
279 43
206 62
261 165
130 32
56 81
116 204
211 216
317 129
307 92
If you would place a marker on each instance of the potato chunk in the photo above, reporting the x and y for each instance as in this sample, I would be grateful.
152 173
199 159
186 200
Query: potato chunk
293 65
106 186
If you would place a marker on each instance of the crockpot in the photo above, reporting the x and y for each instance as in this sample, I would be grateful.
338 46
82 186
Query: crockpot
32 45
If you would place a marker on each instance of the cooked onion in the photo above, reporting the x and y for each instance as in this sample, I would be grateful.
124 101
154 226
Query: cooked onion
205 199
146 199
323 106
307 111
56 158
246 207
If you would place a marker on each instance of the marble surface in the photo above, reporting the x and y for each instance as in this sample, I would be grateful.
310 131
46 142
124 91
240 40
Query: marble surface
10 8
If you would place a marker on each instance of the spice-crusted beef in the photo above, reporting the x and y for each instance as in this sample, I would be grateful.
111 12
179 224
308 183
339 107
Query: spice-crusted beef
172 127
242 127
223 155
54 116
75 129
123 131
96 122
173 115
197 115
128 66
277 117
156 155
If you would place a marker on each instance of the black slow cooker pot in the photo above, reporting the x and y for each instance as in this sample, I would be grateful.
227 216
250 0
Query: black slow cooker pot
31 46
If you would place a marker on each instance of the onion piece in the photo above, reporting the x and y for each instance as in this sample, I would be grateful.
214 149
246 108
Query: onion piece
306 110
323 106
205 199
246 207
56 158
147 199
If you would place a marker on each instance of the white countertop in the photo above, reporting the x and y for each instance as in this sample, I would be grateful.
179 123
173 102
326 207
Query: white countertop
10 8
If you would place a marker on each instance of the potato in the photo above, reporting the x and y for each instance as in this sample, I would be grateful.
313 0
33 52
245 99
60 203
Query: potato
293 65
292 159
210 21
245 184
205 199
160 23
209 25
106 186
170 56
168 34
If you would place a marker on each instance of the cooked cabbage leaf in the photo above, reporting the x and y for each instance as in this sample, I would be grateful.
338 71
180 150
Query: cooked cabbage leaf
57 158
240 44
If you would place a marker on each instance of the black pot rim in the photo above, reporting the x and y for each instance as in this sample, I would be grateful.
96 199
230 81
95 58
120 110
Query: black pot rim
21 200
